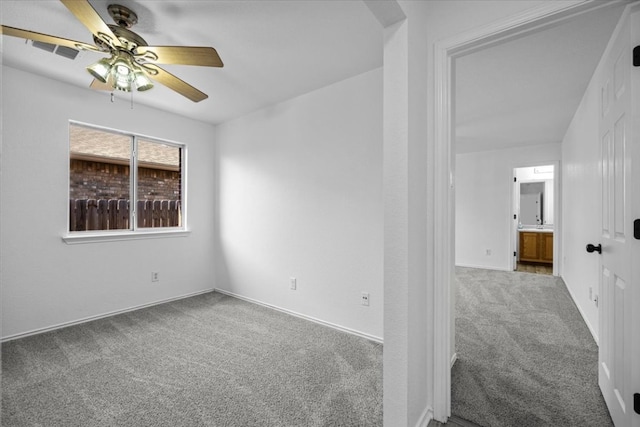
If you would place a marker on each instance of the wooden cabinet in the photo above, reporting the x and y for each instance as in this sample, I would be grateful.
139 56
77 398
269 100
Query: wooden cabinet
529 248
547 247
536 246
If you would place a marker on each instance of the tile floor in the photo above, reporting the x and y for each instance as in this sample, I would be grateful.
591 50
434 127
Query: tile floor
535 268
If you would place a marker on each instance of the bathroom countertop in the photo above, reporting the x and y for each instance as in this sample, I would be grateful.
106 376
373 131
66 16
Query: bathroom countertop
536 230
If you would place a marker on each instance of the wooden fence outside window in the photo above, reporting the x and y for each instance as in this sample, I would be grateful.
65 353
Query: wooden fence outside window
114 214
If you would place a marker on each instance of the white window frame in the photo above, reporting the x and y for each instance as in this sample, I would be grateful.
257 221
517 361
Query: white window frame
133 233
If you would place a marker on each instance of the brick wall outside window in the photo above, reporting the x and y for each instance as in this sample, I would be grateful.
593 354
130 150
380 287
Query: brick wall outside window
98 180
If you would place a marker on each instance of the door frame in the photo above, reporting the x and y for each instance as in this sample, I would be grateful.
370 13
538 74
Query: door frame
445 52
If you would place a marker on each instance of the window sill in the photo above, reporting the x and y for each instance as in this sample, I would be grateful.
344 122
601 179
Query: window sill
114 236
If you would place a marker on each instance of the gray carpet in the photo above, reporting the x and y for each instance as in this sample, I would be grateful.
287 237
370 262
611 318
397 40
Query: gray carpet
209 360
525 355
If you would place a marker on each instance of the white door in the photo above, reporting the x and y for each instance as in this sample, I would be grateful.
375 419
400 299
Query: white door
619 354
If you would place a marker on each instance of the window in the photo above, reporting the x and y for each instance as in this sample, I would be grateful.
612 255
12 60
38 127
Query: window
122 181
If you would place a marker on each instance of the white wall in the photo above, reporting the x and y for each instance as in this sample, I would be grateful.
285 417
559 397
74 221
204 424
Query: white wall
581 205
535 173
407 377
300 195
46 282
484 213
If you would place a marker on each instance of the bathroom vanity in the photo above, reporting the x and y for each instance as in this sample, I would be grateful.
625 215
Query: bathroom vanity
536 245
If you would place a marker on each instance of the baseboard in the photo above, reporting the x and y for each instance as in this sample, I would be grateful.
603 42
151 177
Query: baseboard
575 302
99 316
425 418
303 316
484 267
453 359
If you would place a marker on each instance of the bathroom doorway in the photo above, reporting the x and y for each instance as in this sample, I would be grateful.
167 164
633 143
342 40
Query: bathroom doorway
534 234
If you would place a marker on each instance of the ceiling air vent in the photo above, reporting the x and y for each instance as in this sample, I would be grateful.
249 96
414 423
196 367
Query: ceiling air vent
67 52
44 46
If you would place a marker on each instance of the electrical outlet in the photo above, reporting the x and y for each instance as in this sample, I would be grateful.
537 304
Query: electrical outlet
293 283
488 251
155 276
364 299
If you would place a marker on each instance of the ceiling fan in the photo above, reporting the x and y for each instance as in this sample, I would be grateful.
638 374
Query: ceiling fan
132 62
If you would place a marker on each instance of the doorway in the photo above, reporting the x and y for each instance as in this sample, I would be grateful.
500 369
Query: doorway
535 231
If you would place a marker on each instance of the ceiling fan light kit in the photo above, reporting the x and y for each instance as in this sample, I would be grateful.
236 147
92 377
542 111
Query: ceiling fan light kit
121 72
101 69
132 62
122 75
141 81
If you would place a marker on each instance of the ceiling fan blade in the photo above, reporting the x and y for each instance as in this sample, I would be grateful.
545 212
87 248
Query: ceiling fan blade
185 55
32 35
86 14
174 83
98 85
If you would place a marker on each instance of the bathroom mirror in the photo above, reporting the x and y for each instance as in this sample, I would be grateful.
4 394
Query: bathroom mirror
534 196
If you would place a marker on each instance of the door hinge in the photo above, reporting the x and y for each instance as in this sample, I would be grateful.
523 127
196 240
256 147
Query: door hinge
514 216
636 229
636 403
515 179
636 56
514 253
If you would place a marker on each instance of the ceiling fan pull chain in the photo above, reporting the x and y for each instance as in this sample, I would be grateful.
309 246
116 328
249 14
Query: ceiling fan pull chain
112 98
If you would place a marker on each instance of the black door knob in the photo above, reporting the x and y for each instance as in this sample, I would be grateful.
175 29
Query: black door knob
592 248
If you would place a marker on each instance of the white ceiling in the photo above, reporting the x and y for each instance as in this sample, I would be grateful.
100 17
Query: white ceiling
272 50
526 91
520 92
